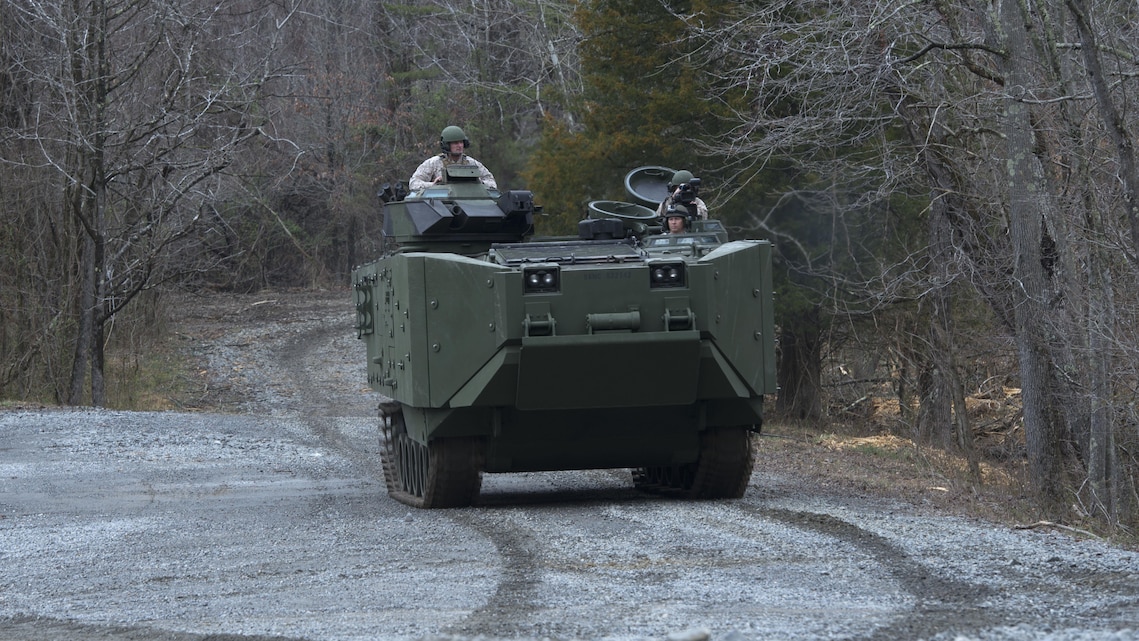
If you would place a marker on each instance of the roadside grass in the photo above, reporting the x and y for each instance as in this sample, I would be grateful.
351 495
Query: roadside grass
151 377
841 460
897 467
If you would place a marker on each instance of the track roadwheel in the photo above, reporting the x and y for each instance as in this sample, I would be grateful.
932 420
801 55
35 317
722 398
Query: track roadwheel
721 472
444 473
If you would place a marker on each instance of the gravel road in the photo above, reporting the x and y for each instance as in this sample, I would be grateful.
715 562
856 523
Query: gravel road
267 518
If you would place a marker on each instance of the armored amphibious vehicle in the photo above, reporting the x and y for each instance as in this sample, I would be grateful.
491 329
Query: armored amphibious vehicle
500 353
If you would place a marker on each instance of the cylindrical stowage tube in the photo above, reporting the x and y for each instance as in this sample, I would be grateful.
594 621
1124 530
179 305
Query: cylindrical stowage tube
620 320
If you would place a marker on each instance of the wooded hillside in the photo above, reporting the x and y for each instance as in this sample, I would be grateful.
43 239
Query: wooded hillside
951 185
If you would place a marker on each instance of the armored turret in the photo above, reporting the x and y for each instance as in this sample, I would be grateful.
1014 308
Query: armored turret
459 215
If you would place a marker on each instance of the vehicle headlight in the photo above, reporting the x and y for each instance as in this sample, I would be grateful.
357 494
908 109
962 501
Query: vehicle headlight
543 279
667 274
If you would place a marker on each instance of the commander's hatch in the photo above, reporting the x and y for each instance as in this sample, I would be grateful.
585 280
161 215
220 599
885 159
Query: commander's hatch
462 173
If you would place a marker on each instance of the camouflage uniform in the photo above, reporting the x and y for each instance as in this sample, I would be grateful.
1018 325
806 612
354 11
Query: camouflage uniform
432 169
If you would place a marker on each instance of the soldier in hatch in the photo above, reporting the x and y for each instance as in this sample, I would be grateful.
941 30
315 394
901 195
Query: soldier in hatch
676 221
454 143
682 193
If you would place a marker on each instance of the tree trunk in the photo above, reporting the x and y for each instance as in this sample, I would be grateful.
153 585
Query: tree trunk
84 326
935 418
98 378
800 367
100 310
1109 492
942 409
1026 205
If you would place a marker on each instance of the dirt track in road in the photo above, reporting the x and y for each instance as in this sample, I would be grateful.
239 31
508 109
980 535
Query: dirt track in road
264 515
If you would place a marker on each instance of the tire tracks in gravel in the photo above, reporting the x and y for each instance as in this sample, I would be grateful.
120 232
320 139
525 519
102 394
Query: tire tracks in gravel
941 603
516 602
322 401
515 597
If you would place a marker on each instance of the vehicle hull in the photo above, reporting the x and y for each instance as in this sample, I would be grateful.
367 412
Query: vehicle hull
447 339
505 355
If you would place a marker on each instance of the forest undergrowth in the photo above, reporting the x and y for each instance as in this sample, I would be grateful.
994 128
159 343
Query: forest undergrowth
871 453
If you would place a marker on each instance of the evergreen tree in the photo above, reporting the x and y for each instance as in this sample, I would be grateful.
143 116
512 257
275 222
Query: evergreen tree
644 103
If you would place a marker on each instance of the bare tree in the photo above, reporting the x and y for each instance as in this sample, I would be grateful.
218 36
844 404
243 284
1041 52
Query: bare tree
497 67
373 86
139 115
1006 109
1110 491
162 136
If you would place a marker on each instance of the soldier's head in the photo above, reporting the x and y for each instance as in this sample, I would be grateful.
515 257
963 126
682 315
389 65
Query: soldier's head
676 220
453 141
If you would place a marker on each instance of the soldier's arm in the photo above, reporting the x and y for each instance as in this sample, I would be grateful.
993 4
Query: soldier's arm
485 176
425 175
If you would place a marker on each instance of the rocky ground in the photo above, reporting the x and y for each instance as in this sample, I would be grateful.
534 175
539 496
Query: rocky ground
259 512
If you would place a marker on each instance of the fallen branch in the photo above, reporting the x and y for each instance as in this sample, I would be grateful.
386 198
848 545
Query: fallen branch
1042 524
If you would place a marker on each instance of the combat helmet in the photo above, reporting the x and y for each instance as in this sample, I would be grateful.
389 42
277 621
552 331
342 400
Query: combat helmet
681 177
451 134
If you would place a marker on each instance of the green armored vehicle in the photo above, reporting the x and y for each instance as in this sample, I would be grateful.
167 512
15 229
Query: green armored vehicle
504 354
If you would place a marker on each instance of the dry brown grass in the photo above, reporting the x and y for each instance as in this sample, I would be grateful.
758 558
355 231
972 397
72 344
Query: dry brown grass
889 466
866 459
